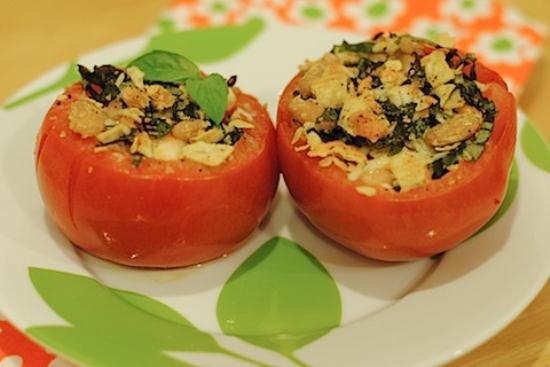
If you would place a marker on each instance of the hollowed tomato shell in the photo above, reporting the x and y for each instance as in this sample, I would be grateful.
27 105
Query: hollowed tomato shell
407 225
159 214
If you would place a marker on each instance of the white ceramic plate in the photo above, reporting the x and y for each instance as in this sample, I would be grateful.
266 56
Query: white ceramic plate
343 310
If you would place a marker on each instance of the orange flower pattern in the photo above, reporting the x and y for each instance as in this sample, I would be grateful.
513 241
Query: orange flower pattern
501 36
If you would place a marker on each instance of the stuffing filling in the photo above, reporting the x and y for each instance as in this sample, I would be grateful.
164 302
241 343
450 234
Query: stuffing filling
394 112
155 120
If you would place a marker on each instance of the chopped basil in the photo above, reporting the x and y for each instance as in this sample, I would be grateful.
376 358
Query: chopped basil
416 70
361 47
472 151
400 135
397 142
472 95
376 82
185 109
331 114
366 67
417 128
487 126
440 166
426 88
232 137
155 126
482 136
438 169
340 134
488 109
101 82
192 110
394 113
178 110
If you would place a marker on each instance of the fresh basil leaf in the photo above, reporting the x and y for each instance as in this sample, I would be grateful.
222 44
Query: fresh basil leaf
164 66
210 94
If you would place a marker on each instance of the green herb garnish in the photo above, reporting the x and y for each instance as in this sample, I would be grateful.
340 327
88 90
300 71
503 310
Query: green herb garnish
164 66
232 137
472 151
331 114
472 95
100 83
416 70
361 47
440 166
366 67
210 92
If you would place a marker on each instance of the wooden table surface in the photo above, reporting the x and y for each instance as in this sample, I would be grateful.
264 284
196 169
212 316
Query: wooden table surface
36 36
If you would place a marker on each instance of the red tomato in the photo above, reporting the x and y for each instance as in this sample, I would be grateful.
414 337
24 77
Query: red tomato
407 225
160 214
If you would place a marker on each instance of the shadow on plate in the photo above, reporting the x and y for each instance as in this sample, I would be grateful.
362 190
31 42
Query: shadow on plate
474 252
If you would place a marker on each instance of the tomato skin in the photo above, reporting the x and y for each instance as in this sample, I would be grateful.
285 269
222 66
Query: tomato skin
408 225
160 214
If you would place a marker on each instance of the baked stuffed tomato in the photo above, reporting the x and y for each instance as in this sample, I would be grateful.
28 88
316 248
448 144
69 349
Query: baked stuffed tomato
397 148
156 165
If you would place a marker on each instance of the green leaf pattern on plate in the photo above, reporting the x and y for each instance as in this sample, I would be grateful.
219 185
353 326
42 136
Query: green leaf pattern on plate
104 330
280 298
535 147
221 42
511 191
70 76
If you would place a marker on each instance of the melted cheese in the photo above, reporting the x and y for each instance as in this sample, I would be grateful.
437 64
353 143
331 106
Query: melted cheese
363 116
168 149
207 153
409 169
210 154
437 70
331 90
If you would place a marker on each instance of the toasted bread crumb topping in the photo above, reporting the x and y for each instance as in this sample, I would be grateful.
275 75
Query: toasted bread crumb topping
394 112
153 120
